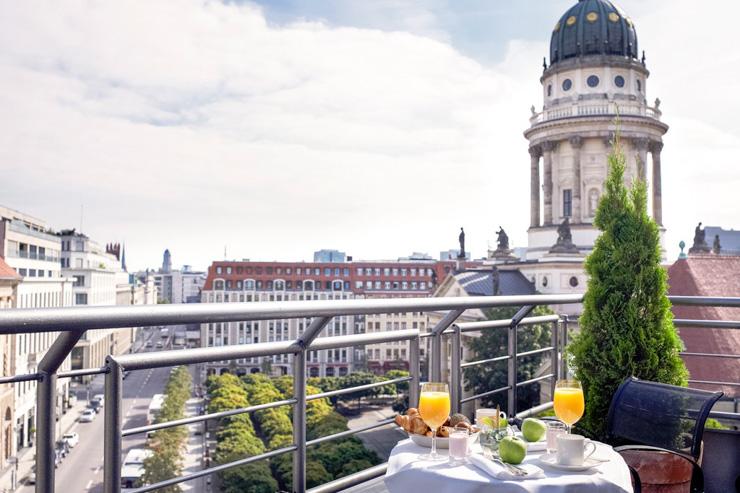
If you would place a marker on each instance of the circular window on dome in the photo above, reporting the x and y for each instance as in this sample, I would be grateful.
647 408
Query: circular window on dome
619 81
571 20
592 81
592 17
567 84
613 16
573 282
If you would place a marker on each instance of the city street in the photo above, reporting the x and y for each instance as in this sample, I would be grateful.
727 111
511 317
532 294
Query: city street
82 470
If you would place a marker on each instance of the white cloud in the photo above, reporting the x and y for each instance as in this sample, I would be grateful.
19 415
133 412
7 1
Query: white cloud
193 125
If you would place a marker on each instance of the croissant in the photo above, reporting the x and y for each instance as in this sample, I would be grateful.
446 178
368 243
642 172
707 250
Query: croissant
417 425
402 421
412 411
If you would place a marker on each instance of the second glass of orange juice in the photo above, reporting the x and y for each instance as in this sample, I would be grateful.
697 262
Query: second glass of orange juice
434 408
568 401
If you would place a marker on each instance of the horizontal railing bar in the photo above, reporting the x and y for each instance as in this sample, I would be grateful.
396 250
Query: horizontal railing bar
362 339
723 415
484 394
484 361
26 320
81 373
214 469
707 324
345 482
712 382
500 324
705 300
353 431
534 380
205 417
159 359
535 410
351 390
26 377
711 355
535 351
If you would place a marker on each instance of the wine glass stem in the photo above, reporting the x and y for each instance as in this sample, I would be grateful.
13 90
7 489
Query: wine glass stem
434 443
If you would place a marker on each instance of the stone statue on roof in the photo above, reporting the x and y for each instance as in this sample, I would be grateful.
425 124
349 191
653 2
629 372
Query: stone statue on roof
461 239
502 240
564 243
700 242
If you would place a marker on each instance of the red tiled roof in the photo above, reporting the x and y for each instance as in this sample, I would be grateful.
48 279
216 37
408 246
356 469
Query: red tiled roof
6 271
709 275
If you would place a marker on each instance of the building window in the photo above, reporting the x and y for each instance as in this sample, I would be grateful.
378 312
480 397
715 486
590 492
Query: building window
639 85
544 281
79 281
567 203
549 90
573 281
592 81
619 81
80 298
567 84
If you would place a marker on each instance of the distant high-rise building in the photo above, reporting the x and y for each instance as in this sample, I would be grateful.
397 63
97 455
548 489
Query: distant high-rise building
329 256
166 262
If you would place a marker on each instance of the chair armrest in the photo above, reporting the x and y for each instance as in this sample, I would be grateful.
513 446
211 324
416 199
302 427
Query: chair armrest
637 485
697 476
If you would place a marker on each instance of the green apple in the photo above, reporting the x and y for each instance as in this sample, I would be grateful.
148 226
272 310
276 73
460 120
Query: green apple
533 429
512 450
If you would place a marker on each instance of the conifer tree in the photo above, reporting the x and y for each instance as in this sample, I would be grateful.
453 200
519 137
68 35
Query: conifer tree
626 328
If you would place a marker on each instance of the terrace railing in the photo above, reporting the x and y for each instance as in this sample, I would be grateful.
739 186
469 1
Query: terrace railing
73 322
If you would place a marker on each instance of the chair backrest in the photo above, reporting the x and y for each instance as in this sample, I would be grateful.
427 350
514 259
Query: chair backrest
659 415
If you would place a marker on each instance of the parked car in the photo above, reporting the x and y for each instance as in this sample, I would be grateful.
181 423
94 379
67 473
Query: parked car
100 398
148 344
62 448
87 416
72 439
94 406
159 344
32 476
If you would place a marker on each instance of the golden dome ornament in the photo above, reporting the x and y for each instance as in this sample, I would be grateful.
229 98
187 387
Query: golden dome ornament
571 20
592 17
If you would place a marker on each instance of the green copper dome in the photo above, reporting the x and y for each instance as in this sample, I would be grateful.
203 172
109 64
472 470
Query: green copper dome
593 27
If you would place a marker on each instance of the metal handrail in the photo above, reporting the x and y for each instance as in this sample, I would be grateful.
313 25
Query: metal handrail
72 323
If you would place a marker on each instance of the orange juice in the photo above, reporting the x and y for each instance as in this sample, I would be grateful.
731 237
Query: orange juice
568 404
434 408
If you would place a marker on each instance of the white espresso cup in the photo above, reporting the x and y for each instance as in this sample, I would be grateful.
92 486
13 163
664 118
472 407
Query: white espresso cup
572 450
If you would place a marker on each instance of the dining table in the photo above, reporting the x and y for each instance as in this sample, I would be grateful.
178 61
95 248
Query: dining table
409 472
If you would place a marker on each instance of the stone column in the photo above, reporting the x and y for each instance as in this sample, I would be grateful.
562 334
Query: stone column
576 141
655 148
547 148
641 144
534 203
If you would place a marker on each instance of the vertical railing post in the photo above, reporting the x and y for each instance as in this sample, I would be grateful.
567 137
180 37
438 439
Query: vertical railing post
414 371
435 365
113 425
299 421
564 344
512 364
455 370
46 402
555 365
46 392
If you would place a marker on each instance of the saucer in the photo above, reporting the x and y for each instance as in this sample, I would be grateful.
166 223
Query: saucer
551 460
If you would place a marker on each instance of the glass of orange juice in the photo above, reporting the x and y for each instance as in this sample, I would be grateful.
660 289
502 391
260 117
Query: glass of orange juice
434 408
568 401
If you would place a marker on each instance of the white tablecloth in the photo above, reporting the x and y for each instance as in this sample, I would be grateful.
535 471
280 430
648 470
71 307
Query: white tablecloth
407 473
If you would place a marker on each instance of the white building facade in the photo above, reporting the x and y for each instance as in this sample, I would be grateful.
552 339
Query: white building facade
33 252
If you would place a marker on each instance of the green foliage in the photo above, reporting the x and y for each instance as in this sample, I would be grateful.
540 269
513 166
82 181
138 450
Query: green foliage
167 444
493 343
713 424
251 478
626 326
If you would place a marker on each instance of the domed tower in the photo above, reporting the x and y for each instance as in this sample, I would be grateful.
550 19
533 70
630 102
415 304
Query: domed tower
594 74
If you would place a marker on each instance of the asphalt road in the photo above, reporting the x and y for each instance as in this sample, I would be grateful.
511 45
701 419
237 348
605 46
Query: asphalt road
82 469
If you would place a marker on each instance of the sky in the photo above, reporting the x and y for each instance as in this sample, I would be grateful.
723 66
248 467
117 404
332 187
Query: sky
270 130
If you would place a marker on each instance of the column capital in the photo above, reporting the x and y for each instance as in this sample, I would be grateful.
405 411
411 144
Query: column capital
656 146
576 141
535 151
549 145
641 143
